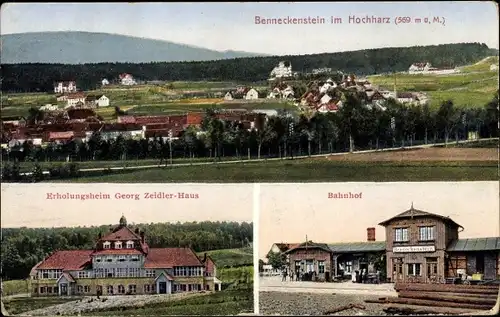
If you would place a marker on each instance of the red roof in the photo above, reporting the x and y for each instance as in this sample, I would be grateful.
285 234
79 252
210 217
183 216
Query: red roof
117 252
66 260
209 265
76 95
122 233
61 135
126 119
171 257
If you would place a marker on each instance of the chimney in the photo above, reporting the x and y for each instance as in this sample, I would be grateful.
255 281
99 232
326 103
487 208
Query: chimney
370 234
205 257
99 236
142 237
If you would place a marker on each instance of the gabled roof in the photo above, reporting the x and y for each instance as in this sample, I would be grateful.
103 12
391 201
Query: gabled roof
66 260
171 257
121 233
167 276
415 213
474 244
352 247
286 246
311 245
67 276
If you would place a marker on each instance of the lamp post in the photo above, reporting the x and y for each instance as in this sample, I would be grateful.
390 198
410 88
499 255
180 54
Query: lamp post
170 144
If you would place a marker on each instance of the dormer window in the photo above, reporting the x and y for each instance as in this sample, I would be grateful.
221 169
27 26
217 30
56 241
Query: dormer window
106 245
118 245
130 244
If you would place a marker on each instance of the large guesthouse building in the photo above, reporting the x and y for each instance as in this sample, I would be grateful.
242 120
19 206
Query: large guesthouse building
420 247
123 263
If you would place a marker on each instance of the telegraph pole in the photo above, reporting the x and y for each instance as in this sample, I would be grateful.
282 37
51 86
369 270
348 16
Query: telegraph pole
170 134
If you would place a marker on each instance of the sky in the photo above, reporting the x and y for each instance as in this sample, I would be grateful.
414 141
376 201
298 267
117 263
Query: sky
232 26
290 212
27 205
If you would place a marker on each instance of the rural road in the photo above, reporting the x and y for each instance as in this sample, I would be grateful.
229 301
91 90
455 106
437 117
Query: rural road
274 284
117 168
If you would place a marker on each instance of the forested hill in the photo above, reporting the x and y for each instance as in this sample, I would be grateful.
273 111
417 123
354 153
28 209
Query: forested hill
23 248
40 77
75 47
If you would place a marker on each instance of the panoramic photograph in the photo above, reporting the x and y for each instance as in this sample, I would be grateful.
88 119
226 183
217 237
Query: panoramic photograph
138 250
379 249
249 92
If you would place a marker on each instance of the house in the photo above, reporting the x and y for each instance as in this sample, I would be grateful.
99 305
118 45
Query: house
406 97
127 79
330 106
228 96
74 98
251 94
49 107
419 67
323 70
123 263
327 85
97 101
64 87
283 70
419 247
104 82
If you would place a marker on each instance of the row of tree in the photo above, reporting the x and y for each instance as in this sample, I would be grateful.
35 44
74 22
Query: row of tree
354 127
23 248
41 77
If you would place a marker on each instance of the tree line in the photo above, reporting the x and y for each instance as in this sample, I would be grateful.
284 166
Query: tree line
356 126
38 77
23 248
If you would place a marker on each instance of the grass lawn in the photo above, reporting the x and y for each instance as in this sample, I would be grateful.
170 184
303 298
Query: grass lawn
23 304
241 275
15 287
481 66
309 170
466 89
231 257
29 166
229 302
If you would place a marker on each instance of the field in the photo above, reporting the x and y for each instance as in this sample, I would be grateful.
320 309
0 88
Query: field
14 287
23 304
231 257
474 86
433 164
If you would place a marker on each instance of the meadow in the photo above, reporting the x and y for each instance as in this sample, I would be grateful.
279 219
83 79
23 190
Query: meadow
474 86
15 306
308 170
231 257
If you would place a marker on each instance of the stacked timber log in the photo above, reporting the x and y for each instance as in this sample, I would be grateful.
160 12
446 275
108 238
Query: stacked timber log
439 297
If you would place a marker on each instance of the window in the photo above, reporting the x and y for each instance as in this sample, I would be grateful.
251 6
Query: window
49 289
118 245
82 274
121 289
431 266
401 234
45 274
121 258
153 288
132 288
86 289
98 259
414 269
130 244
321 267
426 233
56 289
397 266
109 289
147 288
42 290
150 273
348 267
309 266
106 245
134 258
109 259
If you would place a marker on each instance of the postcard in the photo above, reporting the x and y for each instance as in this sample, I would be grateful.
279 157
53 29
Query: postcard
250 158
378 249
122 249
323 89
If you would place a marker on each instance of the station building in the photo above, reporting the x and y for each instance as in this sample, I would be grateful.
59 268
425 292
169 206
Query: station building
420 247
123 263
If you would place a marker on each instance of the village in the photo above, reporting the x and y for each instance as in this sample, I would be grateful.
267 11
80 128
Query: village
75 116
